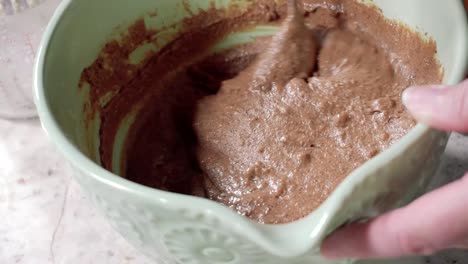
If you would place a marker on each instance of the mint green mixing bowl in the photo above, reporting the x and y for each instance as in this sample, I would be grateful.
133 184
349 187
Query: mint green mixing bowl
173 228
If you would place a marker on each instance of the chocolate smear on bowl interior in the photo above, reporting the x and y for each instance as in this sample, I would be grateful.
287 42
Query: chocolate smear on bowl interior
269 128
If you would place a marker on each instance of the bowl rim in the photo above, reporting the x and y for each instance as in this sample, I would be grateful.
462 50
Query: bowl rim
267 236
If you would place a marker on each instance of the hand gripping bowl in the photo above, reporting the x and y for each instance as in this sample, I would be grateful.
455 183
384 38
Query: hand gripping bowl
173 228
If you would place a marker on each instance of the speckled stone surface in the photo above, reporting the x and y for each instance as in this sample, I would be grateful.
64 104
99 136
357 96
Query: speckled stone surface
45 218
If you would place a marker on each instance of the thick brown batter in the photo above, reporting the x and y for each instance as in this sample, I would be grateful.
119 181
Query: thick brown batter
272 135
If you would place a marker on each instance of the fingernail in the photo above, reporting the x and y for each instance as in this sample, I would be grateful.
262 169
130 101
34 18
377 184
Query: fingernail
421 101
406 96
420 94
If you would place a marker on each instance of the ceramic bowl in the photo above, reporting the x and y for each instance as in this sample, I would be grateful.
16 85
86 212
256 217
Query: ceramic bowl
173 228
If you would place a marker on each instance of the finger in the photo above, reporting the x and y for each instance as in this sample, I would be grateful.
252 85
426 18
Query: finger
462 245
446 109
434 222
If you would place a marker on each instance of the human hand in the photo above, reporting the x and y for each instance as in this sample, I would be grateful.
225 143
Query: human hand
434 222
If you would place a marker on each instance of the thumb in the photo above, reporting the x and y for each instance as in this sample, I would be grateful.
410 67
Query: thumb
436 221
442 107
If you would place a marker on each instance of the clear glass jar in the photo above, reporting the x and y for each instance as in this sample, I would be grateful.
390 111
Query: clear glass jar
21 25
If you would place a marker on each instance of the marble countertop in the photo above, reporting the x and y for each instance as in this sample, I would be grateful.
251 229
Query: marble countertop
45 218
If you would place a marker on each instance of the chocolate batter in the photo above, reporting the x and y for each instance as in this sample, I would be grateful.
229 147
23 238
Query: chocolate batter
268 128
